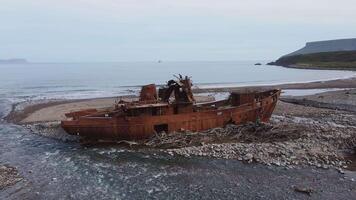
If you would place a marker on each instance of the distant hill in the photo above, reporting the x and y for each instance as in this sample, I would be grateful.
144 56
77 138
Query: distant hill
326 46
340 60
13 61
331 54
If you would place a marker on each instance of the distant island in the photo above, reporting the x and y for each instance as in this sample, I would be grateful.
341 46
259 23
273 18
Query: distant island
331 54
13 61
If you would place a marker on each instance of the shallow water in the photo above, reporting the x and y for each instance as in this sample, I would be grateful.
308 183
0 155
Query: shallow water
55 169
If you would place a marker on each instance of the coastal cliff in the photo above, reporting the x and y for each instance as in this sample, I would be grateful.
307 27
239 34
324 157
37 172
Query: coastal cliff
326 46
332 54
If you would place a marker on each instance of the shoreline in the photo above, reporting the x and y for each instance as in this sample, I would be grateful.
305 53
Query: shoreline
296 66
31 113
52 111
343 83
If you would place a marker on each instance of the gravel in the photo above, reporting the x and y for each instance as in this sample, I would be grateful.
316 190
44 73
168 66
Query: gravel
290 139
8 176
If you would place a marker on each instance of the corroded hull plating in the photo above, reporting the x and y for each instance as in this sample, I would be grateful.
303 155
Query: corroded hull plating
260 108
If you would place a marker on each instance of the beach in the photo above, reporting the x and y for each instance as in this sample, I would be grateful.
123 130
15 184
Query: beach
297 122
52 111
49 111
307 133
177 100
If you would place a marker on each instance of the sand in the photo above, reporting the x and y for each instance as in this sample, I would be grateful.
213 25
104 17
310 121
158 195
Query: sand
55 111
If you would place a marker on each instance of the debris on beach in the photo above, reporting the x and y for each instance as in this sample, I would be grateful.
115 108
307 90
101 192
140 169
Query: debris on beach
250 132
304 138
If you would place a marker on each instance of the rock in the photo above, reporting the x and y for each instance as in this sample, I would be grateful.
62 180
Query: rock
304 190
248 156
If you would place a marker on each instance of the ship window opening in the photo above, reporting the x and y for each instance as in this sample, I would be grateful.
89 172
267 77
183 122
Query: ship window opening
161 128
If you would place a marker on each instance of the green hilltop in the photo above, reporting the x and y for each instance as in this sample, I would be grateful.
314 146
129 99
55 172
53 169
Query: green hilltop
342 60
331 54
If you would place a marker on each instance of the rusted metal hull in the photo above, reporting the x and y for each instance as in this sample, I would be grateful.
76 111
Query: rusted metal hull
141 127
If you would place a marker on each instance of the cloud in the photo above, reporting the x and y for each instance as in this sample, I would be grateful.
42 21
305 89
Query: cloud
280 10
179 29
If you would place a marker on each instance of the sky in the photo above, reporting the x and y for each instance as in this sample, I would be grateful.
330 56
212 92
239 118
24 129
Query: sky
180 30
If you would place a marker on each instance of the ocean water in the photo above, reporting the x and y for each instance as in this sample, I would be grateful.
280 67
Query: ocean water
56 169
85 80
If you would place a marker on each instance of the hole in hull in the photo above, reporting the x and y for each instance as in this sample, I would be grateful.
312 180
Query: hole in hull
161 128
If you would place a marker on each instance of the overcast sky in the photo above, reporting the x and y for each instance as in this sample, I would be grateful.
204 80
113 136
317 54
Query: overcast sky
180 30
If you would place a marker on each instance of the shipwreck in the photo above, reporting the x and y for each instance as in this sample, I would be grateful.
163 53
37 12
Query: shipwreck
170 109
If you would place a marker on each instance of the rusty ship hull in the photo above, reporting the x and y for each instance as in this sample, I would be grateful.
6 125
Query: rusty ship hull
142 119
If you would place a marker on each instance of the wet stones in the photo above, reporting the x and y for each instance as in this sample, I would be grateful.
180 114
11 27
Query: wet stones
50 129
8 176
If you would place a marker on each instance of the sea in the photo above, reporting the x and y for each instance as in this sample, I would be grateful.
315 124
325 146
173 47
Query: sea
59 169
87 80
